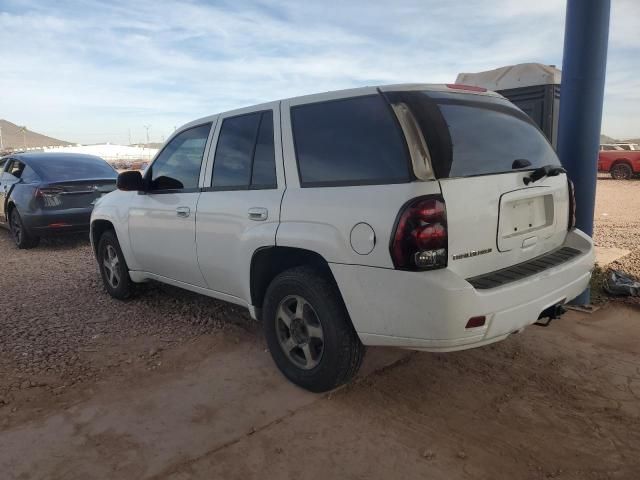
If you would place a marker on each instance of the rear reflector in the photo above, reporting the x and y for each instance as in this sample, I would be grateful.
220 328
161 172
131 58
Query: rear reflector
572 205
59 225
476 322
471 88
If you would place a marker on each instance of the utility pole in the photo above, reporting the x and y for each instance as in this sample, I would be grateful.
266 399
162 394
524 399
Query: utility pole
1 144
147 127
24 136
129 136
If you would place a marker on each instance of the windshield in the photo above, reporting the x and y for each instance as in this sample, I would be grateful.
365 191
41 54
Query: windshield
60 168
471 135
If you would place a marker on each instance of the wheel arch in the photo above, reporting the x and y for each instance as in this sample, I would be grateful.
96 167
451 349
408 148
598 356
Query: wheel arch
8 206
268 262
618 161
98 227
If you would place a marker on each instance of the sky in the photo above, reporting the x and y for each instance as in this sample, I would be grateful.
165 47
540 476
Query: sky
91 72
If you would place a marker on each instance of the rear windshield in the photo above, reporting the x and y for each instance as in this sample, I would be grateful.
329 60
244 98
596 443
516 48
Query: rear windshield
55 169
471 135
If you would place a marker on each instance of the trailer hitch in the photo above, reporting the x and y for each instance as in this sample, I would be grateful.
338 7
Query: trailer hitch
549 314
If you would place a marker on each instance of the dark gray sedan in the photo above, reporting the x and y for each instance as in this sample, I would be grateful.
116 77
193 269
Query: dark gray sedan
44 194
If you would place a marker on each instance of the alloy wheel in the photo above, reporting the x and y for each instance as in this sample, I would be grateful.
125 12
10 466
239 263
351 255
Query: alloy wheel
16 226
299 332
111 265
619 172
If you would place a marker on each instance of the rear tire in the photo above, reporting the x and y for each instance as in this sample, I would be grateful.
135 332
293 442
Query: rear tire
113 267
308 330
621 171
21 236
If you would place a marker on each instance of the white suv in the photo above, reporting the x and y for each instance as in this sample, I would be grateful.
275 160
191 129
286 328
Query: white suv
429 217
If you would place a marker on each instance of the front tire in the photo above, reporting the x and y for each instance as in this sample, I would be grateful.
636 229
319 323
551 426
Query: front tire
21 236
308 330
621 171
113 267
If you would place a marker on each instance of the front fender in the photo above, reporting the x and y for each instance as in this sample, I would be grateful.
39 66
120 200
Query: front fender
114 208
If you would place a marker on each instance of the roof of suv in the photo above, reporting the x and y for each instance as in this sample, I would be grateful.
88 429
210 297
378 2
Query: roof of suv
359 91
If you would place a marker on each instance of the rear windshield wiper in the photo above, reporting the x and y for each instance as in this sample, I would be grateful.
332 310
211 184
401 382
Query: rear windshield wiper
545 171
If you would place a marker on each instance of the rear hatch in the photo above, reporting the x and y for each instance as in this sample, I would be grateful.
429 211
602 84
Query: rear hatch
481 147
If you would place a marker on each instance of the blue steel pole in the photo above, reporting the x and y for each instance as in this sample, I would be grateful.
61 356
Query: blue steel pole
581 95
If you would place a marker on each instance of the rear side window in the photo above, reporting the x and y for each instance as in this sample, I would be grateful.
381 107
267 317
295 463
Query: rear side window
469 135
178 165
245 156
355 141
15 168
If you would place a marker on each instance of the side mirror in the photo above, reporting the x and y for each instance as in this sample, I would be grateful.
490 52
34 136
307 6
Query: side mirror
130 181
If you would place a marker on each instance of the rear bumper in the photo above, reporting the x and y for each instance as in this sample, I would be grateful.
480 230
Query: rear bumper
71 220
430 310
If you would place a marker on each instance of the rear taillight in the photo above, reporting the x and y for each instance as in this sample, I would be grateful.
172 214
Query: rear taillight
572 205
48 191
420 241
49 196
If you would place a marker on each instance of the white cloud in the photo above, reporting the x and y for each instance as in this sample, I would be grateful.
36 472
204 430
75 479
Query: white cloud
92 71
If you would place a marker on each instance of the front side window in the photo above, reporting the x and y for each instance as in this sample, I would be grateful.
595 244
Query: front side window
178 165
354 141
245 156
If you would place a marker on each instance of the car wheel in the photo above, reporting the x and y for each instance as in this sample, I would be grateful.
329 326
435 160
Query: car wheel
113 267
308 330
621 171
21 236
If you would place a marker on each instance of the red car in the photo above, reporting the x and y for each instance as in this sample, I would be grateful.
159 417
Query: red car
621 164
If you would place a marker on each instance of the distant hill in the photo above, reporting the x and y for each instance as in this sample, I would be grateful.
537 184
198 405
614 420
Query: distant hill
608 139
14 139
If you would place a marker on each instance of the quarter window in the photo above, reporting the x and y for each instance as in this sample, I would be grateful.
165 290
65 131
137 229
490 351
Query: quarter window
245 155
349 142
29 175
178 165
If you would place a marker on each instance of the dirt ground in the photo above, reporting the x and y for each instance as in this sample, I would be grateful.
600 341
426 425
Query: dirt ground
174 385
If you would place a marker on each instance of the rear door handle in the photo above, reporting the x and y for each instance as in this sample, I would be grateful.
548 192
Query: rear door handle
183 212
258 214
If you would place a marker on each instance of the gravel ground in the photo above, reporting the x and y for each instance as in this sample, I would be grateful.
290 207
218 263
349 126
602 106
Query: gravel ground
60 328
617 223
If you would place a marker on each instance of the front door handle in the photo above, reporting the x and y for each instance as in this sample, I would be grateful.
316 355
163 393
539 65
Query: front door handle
183 212
258 214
